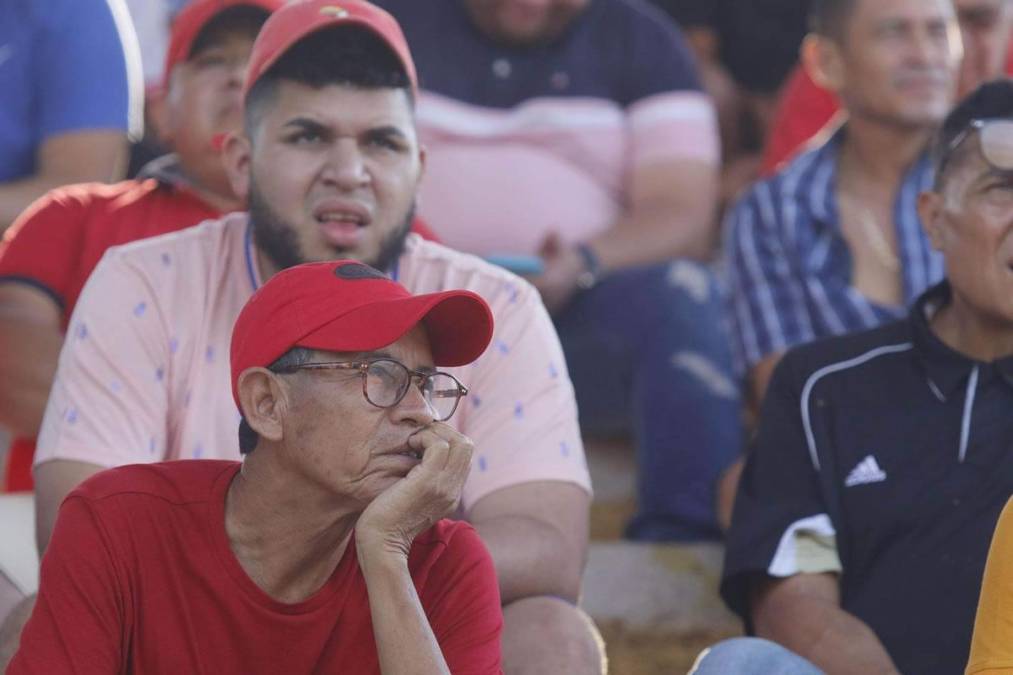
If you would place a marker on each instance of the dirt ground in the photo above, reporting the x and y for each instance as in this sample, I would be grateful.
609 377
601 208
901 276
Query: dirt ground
659 654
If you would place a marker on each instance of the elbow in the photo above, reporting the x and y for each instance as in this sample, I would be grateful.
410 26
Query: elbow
568 574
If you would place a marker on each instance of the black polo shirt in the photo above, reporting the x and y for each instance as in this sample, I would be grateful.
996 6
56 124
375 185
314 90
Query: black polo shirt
886 456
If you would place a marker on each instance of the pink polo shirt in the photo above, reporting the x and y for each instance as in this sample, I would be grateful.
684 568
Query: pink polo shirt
144 372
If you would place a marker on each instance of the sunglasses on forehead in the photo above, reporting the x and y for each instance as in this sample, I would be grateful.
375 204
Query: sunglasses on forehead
995 139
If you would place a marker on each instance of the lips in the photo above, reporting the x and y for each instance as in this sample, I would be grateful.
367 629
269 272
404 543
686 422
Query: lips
341 222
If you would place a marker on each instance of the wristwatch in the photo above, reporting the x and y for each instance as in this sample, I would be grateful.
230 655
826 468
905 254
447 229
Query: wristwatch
592 268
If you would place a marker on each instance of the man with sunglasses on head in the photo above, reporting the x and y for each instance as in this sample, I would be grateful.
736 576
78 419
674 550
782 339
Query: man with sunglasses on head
884 458
323 551
329 164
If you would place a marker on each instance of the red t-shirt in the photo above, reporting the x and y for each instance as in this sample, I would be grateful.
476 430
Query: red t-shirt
139 577
57 242
805 108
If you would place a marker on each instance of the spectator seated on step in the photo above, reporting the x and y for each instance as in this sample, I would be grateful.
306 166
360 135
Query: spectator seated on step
574 135
884 458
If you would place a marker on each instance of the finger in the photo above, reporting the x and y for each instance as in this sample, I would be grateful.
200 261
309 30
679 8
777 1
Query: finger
436 455
428 437
459 461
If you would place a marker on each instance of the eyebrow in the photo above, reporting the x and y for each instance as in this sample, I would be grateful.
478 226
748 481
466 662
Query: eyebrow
383 354
387 130
308 124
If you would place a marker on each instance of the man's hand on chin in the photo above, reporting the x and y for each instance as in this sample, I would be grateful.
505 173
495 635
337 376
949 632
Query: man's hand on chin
431 491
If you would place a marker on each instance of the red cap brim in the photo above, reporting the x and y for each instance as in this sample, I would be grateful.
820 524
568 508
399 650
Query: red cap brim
459 325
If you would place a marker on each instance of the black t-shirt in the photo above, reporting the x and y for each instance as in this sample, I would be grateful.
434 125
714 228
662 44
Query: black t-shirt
886 456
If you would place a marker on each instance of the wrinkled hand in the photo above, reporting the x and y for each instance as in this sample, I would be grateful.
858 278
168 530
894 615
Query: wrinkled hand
558 281
430 491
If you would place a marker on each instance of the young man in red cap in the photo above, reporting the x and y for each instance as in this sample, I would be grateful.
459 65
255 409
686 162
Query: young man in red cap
330 164
324 550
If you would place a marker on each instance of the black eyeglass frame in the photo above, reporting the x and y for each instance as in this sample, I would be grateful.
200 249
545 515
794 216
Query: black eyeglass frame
363 368
975 125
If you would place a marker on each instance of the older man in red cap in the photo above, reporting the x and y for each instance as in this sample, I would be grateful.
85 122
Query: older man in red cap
324 550
329 162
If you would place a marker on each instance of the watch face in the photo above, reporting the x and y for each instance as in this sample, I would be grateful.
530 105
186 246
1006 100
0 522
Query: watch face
586 280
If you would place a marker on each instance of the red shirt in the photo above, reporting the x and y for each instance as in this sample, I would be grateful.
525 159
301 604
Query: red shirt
805 108
57 242
139 577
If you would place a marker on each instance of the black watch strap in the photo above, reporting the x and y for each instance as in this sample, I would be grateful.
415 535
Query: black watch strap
592 267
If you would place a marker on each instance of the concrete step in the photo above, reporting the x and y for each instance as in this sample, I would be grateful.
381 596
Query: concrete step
672 588
656 605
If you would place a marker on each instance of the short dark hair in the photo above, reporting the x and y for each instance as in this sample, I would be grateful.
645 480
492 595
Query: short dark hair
297 356
992 100
348 55
238 19
829 17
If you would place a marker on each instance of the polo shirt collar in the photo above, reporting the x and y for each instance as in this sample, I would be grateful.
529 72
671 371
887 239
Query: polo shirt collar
165 169
820 194
947 369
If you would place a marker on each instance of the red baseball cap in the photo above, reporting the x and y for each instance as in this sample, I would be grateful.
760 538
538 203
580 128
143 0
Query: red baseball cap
190 20
296 20
347 306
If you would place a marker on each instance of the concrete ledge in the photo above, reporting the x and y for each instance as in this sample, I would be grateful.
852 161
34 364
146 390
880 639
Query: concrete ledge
653 587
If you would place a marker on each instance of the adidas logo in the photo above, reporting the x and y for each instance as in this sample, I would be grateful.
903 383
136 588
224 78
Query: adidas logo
867 471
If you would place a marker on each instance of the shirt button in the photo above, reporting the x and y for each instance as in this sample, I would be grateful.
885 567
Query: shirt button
560 80
501 68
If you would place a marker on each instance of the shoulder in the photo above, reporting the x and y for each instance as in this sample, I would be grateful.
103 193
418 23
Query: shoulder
448 548
852 356
81 197
447 533
430 267
792 184
173 482
187 246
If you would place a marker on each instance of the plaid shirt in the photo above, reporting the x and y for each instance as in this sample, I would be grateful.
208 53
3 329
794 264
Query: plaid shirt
789 268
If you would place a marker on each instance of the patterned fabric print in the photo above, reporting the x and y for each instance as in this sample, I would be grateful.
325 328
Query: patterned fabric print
174 398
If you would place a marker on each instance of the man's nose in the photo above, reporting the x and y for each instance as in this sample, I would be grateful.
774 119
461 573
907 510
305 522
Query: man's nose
415 407
346 166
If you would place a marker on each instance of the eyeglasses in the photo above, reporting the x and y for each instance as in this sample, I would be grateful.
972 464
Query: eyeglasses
996 143
386 381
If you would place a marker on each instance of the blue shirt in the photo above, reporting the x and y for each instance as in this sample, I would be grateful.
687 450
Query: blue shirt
63 68
790 269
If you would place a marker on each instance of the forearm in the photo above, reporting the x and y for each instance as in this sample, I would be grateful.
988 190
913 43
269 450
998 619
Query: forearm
405 641
532 558
833 639
656 236
74 157
29 353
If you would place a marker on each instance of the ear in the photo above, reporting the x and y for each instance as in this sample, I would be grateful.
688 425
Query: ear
821 57
930 211
236 156
263 403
